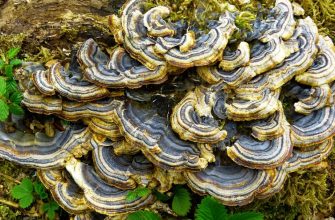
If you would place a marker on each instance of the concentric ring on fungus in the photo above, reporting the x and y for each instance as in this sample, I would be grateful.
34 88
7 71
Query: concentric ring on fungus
65 191
100 196
121 171
252 110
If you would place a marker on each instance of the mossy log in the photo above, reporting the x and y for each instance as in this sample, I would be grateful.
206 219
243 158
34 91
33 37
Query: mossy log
54 24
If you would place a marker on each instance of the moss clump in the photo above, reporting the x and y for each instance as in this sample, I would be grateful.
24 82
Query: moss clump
7 213
10 174
10 40
323 13
76 25
306 193
199 12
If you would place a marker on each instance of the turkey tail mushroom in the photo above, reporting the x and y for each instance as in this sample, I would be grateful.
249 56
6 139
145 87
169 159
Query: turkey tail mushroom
99 195
231 184
64 190
120 71
192 118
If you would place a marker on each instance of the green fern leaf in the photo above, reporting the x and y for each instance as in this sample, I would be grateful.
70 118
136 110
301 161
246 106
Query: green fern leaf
4 110
210 209
181 202
3 86
143 215
246 216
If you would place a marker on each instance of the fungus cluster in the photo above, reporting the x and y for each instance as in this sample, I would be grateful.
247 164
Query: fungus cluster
173 104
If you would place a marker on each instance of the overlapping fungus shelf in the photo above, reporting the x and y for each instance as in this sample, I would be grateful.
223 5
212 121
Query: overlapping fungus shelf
174 104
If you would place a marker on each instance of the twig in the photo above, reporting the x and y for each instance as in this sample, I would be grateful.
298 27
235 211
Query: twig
10 178
9 203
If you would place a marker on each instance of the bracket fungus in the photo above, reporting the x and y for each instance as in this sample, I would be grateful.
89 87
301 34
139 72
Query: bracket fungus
74 88
65 191
101 196
122 171
231 184
229 116
192 119
281 21
38 150
146 129
117 72
323 69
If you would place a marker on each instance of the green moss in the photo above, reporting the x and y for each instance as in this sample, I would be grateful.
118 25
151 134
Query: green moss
305 194
44 55
88 23
7 213
9 172
199 12
10 40
323 13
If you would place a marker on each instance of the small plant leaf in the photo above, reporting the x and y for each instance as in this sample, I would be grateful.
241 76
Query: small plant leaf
40 190
13 52
3 86
246 216
137 193
15 109
24 193
210 209
143 192
64 122
26 201
181 202
4 110
2 64
15 62
143 215
50 208
16 97
11 86
161 196
9 71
